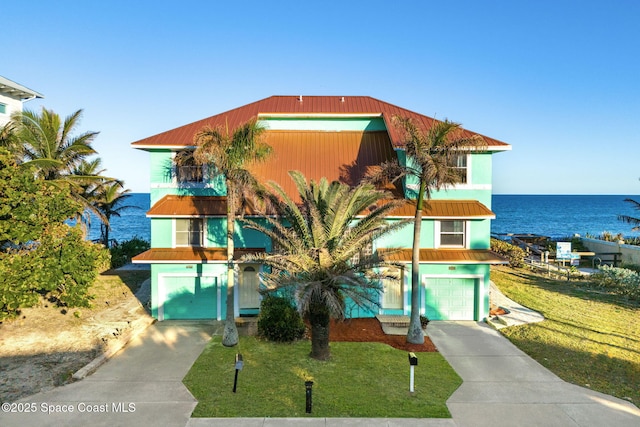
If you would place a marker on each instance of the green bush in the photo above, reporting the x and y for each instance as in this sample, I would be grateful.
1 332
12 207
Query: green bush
620 281
514 254
61 266
123 252
279 320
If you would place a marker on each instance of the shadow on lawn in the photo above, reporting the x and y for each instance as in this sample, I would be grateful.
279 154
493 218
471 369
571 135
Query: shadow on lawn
132 278
575 288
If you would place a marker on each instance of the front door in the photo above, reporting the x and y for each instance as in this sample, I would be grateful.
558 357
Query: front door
249 283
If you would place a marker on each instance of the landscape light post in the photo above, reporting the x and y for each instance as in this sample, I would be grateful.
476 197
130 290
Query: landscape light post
308 389
413 362
239 365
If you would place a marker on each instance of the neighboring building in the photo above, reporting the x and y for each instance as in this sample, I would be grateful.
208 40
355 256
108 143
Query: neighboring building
321 136
12 96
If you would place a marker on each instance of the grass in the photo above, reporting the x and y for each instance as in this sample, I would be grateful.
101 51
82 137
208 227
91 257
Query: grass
589 338
132 278
360 380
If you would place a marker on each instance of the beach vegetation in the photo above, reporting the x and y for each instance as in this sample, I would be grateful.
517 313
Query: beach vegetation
122 252
514 254
319 258
619 281
40 254
229 152
431 159
617 238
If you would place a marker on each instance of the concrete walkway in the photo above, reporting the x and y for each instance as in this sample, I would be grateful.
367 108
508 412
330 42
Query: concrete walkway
502 385
142 385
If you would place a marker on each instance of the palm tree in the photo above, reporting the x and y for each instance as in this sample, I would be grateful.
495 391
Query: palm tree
319 243
110 200
229 154
87 180
47 143
629 219
431 157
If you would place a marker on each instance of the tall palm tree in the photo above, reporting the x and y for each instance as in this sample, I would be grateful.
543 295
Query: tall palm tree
431 157
319 241
629 219
229 153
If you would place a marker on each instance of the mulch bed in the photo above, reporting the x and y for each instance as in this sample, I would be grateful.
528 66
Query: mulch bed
370 330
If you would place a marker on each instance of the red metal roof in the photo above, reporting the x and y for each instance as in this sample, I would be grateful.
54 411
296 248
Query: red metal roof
342 156
311 105
443 256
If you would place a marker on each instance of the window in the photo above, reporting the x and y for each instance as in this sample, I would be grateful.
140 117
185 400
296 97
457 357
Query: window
452 233
364 252
460 165
3 108
189 232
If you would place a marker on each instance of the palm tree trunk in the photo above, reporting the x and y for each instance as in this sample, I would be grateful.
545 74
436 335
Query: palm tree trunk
415 335
230 333
319 319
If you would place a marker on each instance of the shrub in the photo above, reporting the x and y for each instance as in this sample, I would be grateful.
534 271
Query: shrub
122 253
621 281
279 320
513 253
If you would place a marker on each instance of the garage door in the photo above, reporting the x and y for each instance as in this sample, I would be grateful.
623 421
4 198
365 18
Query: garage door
450 298
188 297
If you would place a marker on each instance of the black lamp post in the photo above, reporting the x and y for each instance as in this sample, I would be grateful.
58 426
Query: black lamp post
308 386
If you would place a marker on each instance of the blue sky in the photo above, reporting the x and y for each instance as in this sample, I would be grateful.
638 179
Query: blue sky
558 80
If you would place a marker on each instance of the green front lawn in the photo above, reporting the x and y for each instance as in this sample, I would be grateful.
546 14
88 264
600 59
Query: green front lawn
589 338
360 380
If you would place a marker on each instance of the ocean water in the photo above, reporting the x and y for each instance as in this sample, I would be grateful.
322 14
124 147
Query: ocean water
556 216
559 216
132 222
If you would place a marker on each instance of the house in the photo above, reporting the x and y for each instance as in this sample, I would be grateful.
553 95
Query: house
321 136
12 96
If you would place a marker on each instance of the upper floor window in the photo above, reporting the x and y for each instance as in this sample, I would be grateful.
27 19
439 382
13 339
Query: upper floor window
187 171
364 252
460 165
3 108
190 232
451 233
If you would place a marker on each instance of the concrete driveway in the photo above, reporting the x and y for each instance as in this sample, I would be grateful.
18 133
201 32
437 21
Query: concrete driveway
142 385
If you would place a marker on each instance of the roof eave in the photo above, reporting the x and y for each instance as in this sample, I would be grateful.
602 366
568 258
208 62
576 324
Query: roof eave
317 115
17 90
147 147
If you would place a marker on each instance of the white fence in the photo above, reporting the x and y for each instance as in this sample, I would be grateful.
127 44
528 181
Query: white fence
610 251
